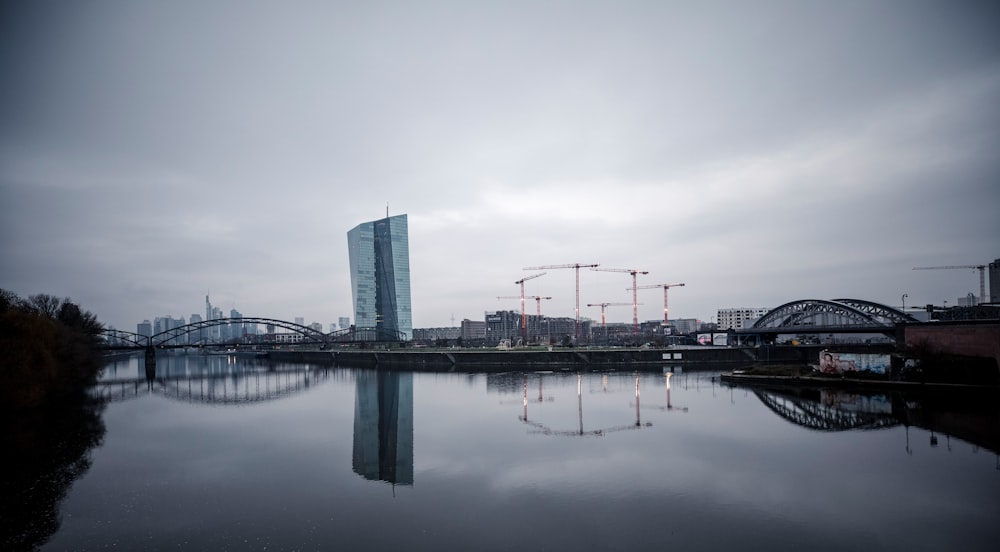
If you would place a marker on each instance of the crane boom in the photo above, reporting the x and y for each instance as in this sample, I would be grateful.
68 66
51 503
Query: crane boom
577 266
635 294
982 275
574 265
533 276
537 298
666 318
603 305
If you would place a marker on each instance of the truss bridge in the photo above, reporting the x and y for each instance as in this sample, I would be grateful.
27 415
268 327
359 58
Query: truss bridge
821 316
198 334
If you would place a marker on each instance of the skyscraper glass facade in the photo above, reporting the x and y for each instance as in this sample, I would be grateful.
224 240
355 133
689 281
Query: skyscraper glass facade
379 254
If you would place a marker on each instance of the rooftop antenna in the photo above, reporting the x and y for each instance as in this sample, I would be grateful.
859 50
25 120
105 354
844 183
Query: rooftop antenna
386 209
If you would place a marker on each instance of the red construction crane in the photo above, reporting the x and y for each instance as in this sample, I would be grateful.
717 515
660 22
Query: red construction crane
524 316
665 288
577 266
982 277
635 294
603 305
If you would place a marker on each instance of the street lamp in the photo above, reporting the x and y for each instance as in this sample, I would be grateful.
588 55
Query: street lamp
904 301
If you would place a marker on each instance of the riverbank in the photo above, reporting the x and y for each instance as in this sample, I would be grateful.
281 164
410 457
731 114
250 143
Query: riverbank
50 351
584 359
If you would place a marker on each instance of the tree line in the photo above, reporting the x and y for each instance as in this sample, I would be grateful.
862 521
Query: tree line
49 350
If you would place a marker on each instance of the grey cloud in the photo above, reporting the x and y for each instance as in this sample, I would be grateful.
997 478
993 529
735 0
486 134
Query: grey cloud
705 142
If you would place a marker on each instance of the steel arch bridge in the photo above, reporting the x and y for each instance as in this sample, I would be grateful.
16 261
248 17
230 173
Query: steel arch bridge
837 315
122 339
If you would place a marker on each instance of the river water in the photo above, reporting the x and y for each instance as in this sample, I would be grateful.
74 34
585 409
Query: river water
229 453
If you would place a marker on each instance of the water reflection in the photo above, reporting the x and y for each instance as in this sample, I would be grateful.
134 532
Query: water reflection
541 426
670 406
383 426
300 473
44 452
829 409
210 379
383 413
970 415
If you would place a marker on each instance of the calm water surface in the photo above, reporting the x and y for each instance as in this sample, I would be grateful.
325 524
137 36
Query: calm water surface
225 453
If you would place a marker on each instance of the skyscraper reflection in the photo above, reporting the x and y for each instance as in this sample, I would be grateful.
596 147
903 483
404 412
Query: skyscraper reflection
383 427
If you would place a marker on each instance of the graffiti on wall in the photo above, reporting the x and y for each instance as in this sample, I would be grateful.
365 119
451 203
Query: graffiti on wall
844 363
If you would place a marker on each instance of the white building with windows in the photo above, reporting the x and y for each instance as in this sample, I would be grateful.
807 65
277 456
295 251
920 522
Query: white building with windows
738 318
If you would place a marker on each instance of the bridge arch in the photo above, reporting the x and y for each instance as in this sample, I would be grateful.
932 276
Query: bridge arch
167 336
886 313
115 338
831 313
171 337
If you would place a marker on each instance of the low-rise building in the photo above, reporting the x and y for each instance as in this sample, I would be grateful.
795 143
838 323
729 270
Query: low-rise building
502 325
685 326
473 330
428 336
739 318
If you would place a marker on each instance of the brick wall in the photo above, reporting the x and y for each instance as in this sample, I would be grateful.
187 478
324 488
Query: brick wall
976 340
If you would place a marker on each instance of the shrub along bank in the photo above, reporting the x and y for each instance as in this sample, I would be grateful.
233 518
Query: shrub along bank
48 350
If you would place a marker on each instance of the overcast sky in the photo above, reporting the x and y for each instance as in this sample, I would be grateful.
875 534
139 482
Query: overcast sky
760 152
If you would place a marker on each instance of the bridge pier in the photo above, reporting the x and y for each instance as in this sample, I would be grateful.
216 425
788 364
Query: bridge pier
150 363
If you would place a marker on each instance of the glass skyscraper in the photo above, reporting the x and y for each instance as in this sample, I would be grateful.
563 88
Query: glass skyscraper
380 275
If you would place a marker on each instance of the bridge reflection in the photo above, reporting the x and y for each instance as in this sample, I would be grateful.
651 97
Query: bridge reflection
233 388
970 415
829 409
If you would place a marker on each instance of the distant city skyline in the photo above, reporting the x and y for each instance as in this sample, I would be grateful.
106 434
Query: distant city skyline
211 312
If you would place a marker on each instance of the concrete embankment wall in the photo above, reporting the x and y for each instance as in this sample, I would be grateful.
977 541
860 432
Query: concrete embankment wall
578 359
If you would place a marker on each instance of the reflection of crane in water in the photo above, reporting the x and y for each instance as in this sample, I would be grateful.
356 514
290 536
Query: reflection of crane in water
543 429
669 406
541 396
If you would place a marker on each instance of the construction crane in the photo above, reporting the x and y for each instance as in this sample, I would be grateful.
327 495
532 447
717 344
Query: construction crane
577 266
635 294
524 316
665 288
982 276
538 299
603 305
